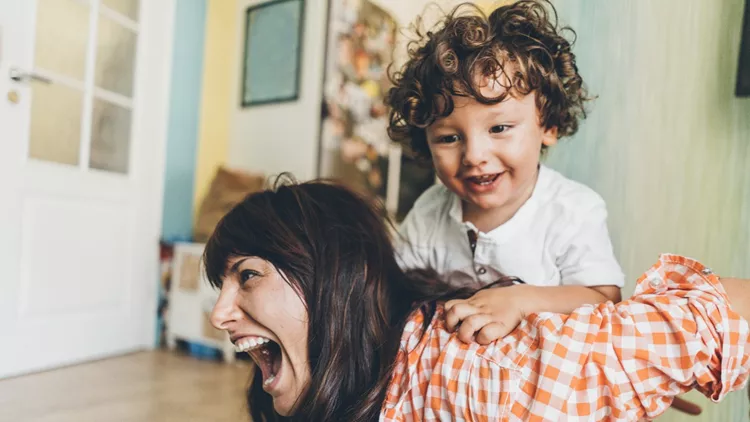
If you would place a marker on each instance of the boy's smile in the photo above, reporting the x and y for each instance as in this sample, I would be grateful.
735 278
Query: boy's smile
489 154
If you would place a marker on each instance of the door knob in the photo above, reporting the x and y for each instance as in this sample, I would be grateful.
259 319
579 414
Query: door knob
13 97
18 75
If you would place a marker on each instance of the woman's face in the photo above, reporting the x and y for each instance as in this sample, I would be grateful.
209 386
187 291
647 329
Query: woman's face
266 318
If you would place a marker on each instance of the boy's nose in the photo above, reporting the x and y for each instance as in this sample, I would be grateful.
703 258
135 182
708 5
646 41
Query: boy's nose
476 151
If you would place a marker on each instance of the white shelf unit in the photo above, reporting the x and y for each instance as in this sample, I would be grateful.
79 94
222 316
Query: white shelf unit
191 299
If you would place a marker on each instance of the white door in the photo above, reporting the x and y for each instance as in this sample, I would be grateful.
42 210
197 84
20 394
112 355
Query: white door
83 112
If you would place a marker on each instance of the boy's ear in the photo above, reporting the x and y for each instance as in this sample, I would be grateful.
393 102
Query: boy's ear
549 137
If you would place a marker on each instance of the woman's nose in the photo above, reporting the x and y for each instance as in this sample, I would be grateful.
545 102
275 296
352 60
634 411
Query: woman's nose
225 310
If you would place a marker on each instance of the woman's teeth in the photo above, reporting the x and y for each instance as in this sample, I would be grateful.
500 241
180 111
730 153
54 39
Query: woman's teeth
266 355
270 380
250 343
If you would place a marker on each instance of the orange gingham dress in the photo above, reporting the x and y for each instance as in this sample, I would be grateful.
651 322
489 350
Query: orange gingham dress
603 362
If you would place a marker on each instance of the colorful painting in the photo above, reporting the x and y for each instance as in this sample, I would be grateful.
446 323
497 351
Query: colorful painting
355 147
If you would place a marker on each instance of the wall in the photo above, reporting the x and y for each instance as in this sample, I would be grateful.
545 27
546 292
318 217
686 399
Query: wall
281 137
285 137
221 57
666 143
185 92
200 109
430 12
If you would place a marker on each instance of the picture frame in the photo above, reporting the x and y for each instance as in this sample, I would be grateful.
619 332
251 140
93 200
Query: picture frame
354 146
271 65
742 88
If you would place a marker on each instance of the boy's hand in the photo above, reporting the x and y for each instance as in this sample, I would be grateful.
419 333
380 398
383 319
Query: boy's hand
487 316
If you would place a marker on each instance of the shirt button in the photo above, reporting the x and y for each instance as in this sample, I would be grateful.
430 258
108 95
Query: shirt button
481 270
707 271
655 282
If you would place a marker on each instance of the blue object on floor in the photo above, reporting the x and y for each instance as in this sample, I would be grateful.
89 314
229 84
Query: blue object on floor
203 352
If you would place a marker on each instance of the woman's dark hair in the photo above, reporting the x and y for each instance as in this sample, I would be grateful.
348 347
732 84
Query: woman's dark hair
334 247
519 44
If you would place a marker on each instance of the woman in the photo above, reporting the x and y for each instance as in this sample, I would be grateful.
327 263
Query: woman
311 290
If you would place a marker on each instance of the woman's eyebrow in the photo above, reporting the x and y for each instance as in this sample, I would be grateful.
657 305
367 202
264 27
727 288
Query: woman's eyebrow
236 265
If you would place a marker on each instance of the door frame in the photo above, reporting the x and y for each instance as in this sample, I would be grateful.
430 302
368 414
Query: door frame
154 126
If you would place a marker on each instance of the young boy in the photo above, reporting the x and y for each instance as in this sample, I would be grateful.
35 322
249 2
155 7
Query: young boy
483 97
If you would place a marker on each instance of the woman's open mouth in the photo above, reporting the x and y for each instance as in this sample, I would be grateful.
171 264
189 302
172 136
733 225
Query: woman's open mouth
266 354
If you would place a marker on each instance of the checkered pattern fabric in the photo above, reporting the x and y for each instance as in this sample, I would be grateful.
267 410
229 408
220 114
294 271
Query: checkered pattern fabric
603 362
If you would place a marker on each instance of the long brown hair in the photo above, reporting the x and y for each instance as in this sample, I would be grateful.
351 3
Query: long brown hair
520 43
334 247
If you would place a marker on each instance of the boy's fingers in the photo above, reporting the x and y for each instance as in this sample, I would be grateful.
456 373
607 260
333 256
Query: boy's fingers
451 303
471 325
491 332
457 313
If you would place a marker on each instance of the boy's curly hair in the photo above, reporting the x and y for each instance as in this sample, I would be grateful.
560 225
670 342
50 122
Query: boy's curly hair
520 45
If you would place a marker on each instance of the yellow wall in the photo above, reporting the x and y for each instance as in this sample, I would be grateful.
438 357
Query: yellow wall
490 5
220 57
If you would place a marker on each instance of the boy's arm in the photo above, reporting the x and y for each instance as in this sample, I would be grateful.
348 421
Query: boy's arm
563 299
738 292
589 272
493 313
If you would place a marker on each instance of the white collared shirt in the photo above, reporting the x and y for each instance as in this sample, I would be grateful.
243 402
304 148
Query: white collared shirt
558 237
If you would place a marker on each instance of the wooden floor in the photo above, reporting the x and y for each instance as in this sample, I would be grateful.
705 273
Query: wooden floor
149 386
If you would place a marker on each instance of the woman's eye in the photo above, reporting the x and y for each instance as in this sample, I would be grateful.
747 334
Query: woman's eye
498 129
449 139
246 275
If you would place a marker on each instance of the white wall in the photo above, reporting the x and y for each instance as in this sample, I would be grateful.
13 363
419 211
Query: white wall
667 144
430 12
282 137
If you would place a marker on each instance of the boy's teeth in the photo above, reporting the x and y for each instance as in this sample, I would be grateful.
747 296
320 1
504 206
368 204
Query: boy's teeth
484 180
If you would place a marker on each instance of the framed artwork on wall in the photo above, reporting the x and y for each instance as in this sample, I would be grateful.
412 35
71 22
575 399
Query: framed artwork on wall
743 71
354 144
272 52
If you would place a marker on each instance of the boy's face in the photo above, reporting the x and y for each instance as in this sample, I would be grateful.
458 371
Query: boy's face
489 154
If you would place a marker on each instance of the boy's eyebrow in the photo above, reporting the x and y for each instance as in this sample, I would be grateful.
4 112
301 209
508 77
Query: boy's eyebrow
498 110
504 108
440 123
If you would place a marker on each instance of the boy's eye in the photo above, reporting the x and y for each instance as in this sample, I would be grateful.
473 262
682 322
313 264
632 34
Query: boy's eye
498 129
448 139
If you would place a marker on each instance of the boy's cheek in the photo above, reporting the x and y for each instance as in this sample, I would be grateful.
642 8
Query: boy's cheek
442 163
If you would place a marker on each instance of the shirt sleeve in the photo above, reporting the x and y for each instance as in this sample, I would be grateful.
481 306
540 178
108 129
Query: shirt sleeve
410 240
586 257
678 332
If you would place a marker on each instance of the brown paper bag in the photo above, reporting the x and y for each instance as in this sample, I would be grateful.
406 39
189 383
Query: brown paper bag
228 188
